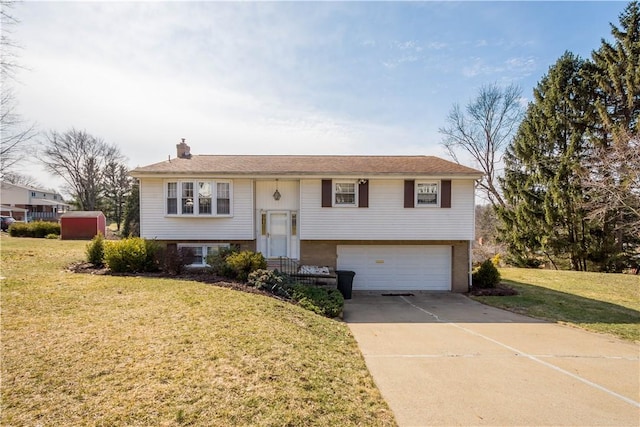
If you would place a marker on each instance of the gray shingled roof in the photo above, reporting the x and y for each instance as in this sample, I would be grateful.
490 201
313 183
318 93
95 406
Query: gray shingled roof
256 165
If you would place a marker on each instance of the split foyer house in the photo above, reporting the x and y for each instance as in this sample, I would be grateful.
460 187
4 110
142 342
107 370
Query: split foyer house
399 222
26 203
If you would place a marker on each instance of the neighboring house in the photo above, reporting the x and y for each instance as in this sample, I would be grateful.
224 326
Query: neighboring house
26 203
399 222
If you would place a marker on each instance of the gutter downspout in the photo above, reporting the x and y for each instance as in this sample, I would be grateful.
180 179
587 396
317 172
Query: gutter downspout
470 265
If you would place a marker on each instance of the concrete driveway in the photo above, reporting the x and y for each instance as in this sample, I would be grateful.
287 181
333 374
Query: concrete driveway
444 359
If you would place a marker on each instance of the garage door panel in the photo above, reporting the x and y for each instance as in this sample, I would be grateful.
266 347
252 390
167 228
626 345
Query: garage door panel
396 267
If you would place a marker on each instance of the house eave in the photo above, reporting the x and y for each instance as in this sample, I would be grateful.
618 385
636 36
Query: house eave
300 175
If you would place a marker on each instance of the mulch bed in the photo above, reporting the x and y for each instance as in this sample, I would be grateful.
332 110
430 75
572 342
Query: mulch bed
196 276
500 290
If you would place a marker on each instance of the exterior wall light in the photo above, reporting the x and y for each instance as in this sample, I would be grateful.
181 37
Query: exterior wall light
276 194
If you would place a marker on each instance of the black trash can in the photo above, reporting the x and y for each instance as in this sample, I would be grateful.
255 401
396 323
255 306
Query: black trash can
345 282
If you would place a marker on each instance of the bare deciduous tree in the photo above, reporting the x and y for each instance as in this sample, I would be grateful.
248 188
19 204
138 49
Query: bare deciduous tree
612 182
20 179
8 55
80 160
482 130
15 133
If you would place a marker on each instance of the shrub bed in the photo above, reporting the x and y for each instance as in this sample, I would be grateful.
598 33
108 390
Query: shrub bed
135 255
326 302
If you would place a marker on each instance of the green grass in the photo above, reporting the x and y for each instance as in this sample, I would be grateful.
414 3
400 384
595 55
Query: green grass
81 349
607 303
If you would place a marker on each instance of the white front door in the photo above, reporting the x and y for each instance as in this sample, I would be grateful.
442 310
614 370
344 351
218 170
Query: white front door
278 234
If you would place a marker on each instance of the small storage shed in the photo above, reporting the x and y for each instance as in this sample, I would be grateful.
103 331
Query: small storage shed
82 225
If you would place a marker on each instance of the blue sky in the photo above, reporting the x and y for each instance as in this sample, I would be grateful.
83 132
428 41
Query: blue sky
283 77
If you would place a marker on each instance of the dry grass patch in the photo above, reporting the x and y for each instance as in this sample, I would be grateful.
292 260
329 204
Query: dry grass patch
81 349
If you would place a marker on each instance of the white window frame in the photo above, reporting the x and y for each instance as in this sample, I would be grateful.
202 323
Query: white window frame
334 193
204 247
195 199
427 205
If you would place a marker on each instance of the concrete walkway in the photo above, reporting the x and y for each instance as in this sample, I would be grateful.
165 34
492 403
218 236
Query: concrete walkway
442 359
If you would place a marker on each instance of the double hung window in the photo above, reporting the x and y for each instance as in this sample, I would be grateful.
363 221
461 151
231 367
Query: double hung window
223 193
427 194
344 193
198 198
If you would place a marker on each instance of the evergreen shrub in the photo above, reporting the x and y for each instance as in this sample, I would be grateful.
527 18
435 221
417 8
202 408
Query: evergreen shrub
486 276
95 250
245 262
131 255
326 302
218 263
270 281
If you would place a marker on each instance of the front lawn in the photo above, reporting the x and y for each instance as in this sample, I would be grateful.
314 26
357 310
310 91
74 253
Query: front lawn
608 303
82 349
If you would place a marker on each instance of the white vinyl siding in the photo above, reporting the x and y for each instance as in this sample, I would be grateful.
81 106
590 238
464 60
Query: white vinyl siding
397 267
156 224
386 218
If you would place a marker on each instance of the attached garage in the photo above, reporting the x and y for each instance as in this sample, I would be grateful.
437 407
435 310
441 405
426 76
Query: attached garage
397 267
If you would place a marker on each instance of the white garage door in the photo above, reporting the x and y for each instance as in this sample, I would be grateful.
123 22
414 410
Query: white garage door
396 267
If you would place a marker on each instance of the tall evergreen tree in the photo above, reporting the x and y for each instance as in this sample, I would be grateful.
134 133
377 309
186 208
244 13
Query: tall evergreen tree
617 73
544 210
611 179
117 186
131 225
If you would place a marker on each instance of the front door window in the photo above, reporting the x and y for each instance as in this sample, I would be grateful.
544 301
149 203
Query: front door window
278 234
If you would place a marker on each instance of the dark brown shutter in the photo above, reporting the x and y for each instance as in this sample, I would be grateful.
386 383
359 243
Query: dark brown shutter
363 194
409 193
326 193
445 189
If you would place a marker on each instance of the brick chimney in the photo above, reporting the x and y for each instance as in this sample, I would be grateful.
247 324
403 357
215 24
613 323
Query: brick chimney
184 151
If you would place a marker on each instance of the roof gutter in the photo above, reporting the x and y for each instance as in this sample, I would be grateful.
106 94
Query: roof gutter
299 175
